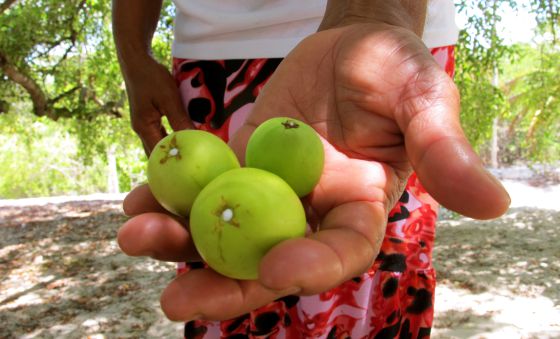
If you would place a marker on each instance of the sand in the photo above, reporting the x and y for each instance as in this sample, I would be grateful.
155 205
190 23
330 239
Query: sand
63 276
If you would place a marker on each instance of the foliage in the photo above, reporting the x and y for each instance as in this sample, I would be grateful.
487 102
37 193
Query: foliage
515 84
58 62
534 116
41 157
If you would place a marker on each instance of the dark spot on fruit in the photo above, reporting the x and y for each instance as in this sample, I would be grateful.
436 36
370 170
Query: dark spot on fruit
289 124
168 150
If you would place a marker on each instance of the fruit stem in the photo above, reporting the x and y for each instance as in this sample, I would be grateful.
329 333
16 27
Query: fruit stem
288 124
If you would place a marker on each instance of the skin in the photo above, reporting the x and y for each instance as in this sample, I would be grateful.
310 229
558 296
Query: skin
372 90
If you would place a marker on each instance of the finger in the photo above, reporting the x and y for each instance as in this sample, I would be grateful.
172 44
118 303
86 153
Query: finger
440 153
205 294
141 200
149 129
348 241
175 112
156 235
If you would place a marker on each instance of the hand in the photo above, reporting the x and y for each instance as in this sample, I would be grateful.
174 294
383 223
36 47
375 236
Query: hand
383 107
152 94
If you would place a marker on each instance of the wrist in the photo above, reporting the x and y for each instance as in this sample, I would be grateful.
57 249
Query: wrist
134 65
408 14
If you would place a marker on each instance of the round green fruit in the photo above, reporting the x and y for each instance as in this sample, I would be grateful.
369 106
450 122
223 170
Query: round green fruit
290 149
241 215
183 163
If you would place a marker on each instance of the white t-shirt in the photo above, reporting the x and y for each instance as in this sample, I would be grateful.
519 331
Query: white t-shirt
244 29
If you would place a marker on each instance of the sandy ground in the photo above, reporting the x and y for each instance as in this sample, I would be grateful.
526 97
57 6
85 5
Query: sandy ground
63 276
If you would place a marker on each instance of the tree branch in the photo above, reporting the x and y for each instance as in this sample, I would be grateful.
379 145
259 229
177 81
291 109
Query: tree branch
64 94
38 97
6 4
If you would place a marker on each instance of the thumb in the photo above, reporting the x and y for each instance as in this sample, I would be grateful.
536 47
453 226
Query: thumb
440 153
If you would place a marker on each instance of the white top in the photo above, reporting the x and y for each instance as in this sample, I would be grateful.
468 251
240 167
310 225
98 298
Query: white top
244 29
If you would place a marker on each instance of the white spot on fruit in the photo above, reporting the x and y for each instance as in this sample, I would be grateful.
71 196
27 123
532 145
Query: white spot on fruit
227 215
173 152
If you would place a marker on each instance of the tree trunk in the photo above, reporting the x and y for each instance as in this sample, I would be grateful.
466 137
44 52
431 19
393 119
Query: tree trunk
38 97
495 137
112 172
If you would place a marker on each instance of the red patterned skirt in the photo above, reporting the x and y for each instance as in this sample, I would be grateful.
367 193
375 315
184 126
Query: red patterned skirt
393 299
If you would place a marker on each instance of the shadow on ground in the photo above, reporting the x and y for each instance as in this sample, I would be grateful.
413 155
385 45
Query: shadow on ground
518 251
63 275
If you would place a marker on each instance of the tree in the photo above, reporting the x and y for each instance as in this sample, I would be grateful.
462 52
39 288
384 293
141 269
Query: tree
525 100
60 54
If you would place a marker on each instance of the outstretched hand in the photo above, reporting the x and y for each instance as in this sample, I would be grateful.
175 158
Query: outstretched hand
383 108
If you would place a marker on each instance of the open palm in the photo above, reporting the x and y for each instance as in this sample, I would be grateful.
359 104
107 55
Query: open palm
384 108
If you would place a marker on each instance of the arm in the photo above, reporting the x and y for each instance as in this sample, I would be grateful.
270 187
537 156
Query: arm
134 24
410 14
152 92
384 107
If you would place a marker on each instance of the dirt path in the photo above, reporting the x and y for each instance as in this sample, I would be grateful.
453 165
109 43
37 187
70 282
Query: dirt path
499 279
63 276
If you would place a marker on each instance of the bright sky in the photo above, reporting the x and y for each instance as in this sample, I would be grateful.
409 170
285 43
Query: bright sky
516 26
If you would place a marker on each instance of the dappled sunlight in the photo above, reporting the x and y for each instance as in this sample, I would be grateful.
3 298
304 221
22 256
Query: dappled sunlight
498 313
63 275
499 278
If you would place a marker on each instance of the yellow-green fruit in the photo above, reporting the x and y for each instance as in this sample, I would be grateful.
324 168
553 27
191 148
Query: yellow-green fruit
290 149
241 215
183 163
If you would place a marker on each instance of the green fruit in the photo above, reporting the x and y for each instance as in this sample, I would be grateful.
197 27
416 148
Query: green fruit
183 163
290 149
239 216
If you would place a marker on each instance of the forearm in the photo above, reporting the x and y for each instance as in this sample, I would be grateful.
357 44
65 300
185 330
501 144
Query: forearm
410 14
134 24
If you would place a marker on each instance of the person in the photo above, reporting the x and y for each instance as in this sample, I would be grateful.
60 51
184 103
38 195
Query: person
359 73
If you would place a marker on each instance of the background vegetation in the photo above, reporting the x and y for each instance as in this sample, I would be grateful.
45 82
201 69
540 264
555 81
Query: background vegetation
64 114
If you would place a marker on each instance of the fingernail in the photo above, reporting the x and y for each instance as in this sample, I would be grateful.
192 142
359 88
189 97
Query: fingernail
494 179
